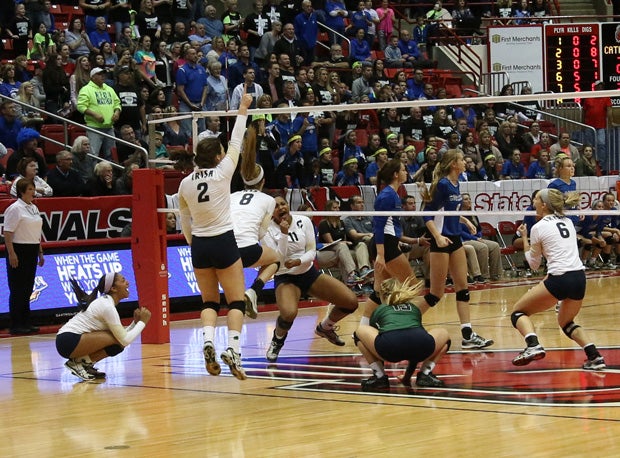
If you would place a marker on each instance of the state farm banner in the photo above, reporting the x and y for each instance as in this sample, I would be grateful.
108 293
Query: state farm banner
514 196
80 218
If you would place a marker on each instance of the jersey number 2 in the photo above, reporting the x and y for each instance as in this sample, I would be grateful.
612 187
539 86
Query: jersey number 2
202 192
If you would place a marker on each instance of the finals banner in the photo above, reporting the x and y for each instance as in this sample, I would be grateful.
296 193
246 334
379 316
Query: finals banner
80 218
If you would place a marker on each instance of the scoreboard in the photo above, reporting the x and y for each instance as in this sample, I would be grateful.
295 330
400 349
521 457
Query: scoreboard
573 57
578 55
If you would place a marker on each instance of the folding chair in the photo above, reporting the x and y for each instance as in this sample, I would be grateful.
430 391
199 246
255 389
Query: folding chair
505 232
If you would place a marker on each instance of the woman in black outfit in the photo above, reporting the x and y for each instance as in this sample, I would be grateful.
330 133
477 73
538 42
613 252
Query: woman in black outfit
56 86
22 234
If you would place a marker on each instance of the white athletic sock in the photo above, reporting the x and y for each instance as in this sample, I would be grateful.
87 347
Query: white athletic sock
208 333
428 367
233 340
327 323
278 336
364 320
377 368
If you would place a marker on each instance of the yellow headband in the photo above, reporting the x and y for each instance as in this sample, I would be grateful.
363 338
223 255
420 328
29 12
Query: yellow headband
379 151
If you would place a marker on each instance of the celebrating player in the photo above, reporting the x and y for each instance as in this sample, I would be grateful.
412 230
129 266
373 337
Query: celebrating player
204 204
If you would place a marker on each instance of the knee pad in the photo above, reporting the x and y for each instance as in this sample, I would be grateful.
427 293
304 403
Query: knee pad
355 338
514 317
587 247
610 240
374 296
113 350
237 305
431 299
211 305
462 295
570 328
283 324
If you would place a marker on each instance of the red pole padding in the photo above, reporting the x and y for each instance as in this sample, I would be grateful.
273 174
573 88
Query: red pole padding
148 247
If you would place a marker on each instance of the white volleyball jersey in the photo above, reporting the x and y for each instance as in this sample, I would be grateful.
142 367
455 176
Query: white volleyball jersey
248 210
301 243
206 193
554 238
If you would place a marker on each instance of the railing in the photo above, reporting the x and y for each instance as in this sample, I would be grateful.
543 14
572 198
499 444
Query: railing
65 122
454 46
492 83
330 30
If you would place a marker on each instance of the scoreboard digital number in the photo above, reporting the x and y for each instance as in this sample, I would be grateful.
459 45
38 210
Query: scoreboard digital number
572 59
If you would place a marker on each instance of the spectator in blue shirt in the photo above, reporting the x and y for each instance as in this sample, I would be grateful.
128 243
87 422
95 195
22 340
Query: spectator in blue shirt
335 11
307 31
513 169
541 168
100 34
191 80
358 19
10 125
349 175
360 51
214 27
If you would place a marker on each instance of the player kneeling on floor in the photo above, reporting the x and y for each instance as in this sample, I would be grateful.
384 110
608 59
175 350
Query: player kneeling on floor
396 333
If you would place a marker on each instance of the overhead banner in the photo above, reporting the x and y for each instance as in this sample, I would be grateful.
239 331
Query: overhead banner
519 52
80 218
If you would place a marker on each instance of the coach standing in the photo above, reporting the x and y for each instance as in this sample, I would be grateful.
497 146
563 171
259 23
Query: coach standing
22 234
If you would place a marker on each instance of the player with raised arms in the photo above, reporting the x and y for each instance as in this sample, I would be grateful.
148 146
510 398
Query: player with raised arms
204 205
251 212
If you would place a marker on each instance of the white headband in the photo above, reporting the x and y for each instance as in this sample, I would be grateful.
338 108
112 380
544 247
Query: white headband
256 180
544 196
109 282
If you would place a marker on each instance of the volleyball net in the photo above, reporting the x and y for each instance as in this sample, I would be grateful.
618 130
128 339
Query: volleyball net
491 201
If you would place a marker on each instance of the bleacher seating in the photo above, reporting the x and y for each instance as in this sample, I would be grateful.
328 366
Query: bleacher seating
362 137
72 11
54 132
8 52
59 14
75 132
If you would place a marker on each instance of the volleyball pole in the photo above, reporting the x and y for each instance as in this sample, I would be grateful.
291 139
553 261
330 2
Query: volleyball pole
148 249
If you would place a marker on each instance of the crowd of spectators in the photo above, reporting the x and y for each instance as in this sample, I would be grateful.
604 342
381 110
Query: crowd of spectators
117 63
120 63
